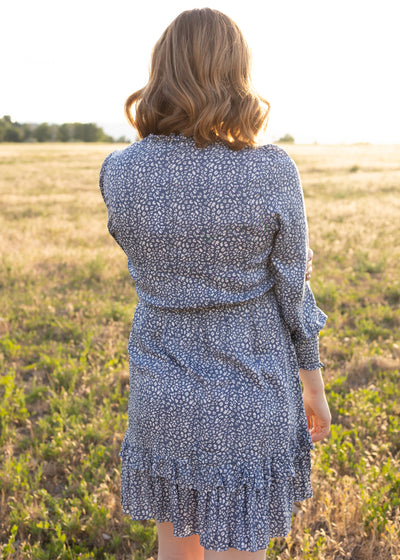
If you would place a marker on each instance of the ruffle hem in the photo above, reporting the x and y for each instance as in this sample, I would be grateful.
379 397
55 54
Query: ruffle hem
241 504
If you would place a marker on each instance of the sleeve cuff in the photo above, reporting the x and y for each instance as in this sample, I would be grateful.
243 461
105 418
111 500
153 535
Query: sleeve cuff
307 352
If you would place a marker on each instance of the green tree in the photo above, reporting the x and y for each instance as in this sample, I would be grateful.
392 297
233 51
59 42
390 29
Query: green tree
10 131
27 132
91 132
42 133
287 139
64 132
13 134
3 128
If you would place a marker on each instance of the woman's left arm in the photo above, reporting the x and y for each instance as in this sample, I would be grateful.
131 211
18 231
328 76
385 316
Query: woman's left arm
288 262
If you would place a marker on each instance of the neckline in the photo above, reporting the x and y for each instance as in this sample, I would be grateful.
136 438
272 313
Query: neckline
179 137
171 136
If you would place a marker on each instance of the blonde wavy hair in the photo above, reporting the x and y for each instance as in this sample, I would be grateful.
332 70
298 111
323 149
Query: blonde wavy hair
199 84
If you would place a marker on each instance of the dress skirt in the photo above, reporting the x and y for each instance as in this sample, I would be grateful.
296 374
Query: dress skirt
217 441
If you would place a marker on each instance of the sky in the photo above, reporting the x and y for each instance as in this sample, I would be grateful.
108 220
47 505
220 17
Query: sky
330 69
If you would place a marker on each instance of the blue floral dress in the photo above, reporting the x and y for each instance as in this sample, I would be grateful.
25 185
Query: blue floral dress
216 241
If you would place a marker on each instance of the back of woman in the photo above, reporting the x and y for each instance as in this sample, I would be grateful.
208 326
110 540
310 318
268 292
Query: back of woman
214 228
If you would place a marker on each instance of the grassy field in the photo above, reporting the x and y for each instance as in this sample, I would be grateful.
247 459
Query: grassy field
66 307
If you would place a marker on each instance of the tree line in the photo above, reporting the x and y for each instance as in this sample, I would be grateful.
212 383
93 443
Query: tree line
67 132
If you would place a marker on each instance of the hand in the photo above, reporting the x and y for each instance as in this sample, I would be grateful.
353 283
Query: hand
318 414
309 264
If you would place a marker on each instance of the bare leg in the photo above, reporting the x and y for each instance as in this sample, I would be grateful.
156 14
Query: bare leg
233 554
189 548
177 548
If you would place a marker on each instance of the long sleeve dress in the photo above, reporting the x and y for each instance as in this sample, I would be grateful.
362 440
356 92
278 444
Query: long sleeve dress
216 241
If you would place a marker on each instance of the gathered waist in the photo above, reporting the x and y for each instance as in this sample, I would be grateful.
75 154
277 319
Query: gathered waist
209 307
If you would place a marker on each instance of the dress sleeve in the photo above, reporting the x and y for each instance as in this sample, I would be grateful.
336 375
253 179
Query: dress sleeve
288 262
106 189
102 177
107 200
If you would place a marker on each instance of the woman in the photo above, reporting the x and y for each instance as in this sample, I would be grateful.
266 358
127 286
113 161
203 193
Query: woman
218 444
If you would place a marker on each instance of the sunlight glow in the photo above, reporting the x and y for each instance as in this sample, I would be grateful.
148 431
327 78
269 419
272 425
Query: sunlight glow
329 69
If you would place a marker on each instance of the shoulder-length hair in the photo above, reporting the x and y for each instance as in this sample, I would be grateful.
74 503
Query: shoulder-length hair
199 84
